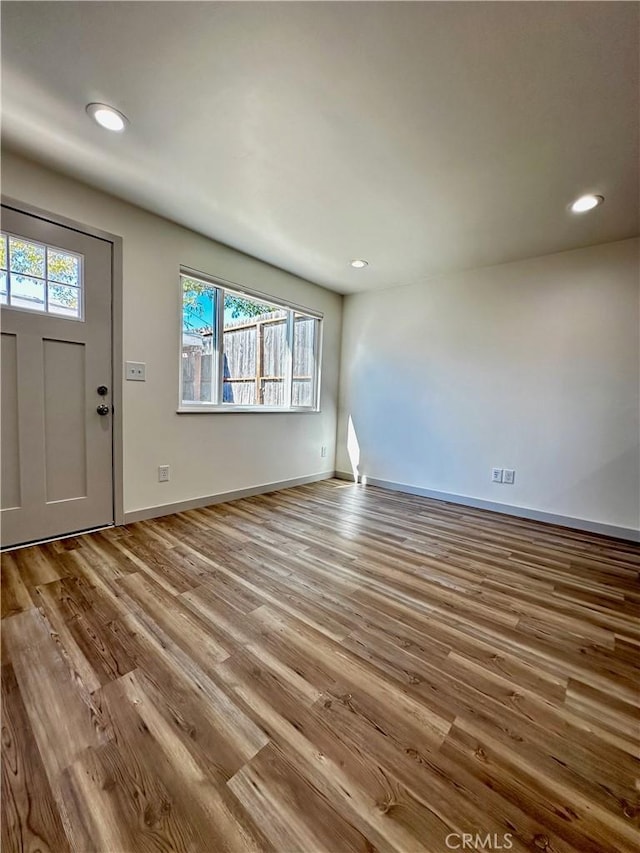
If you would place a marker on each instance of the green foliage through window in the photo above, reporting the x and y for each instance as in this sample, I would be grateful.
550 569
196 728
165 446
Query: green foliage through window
36 277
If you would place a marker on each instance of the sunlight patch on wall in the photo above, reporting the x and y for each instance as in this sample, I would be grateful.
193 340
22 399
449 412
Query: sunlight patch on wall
353 449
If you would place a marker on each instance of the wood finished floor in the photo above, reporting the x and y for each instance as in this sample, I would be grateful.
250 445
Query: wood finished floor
328 668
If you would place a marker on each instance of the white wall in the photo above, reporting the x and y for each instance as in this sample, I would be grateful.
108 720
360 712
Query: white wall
208 453
531 365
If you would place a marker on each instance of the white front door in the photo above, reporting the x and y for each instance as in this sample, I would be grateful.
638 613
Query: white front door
56 379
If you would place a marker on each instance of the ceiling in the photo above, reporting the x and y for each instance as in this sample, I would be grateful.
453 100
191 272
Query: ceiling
424 137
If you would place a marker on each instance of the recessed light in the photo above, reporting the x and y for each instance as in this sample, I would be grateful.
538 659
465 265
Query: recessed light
359 264
586 202
107 117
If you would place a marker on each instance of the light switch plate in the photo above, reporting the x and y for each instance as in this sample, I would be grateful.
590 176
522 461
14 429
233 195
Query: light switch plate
135 371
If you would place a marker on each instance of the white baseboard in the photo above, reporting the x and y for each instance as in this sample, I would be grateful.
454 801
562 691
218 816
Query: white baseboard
223 497
628 533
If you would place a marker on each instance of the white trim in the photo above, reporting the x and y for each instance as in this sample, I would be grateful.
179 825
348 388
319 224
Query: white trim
223 497
288 368
229 408
317 355
57 538
217 368
627 533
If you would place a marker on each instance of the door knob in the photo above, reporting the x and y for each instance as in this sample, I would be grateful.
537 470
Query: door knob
102 409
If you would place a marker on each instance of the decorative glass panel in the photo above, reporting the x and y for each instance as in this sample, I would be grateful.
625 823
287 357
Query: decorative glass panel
64 300
26 257
40 278
63 267
27 292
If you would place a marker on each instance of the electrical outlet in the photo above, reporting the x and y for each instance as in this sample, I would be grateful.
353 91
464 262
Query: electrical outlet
136 371
163 473
323 451
509 476
496 475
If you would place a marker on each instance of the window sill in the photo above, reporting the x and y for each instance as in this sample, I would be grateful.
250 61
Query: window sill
253 410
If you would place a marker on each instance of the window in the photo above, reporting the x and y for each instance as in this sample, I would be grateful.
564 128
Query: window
244 351
35 277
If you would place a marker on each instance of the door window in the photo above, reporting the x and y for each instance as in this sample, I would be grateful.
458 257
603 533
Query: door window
37 277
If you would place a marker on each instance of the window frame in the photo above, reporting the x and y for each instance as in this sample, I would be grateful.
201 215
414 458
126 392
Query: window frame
45 312
223 285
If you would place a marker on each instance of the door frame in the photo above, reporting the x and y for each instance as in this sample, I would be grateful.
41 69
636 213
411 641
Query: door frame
117 470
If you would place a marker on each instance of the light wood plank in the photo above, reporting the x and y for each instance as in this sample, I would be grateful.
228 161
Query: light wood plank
328 668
